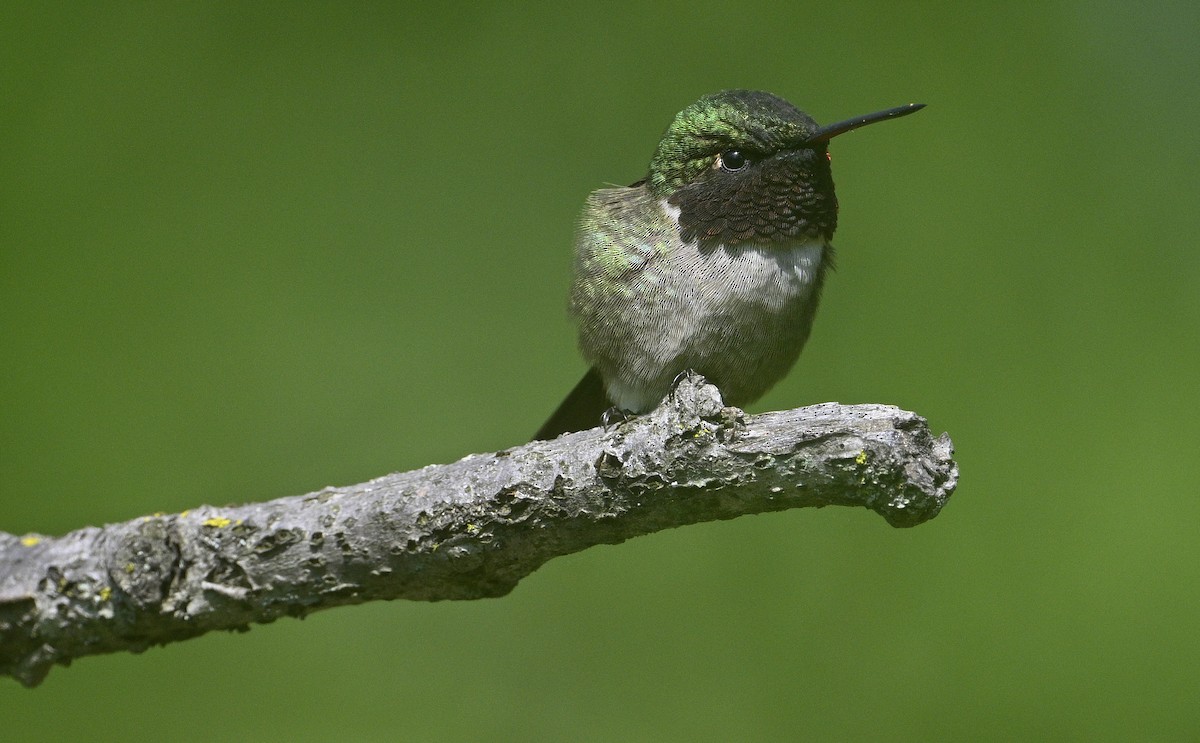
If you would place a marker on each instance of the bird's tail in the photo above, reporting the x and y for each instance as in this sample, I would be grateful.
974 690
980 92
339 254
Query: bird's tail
583 408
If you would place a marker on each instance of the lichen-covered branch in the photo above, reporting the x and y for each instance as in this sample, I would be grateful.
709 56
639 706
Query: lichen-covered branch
466 530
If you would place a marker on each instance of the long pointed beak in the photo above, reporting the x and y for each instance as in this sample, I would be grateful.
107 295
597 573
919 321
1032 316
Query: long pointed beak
826 133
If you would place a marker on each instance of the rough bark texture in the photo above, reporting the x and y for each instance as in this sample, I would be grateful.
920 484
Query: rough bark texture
467 530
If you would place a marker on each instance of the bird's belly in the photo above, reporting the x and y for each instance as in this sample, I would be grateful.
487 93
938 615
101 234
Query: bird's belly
738 315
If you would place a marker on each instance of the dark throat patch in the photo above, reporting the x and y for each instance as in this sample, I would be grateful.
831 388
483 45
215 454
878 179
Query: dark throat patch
784 196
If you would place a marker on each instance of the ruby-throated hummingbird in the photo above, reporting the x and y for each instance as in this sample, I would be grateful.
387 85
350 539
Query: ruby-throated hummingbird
713 262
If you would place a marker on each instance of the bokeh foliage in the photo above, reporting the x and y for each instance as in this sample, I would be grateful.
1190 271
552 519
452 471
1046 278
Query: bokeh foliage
248 250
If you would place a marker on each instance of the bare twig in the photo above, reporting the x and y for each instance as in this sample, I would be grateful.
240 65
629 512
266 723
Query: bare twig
466 530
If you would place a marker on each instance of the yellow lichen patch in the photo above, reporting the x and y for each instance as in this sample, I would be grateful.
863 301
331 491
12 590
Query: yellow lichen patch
861 458
185 513
218 521
105 593
29 540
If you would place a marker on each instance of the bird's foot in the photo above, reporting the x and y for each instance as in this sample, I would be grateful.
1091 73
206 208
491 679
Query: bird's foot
679 378
614 416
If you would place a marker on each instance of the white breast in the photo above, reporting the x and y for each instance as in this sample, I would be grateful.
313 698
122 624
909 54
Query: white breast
738 313
751 278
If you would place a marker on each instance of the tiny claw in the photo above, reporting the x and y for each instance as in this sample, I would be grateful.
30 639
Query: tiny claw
613 413
679 378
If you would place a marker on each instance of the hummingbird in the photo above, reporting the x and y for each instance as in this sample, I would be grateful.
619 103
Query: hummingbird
713 262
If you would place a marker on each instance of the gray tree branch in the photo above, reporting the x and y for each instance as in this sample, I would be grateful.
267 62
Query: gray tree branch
467 530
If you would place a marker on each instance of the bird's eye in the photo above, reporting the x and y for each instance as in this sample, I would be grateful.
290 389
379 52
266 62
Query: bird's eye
731 161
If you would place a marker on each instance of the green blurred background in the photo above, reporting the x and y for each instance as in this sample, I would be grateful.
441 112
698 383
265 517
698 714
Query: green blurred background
249 250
